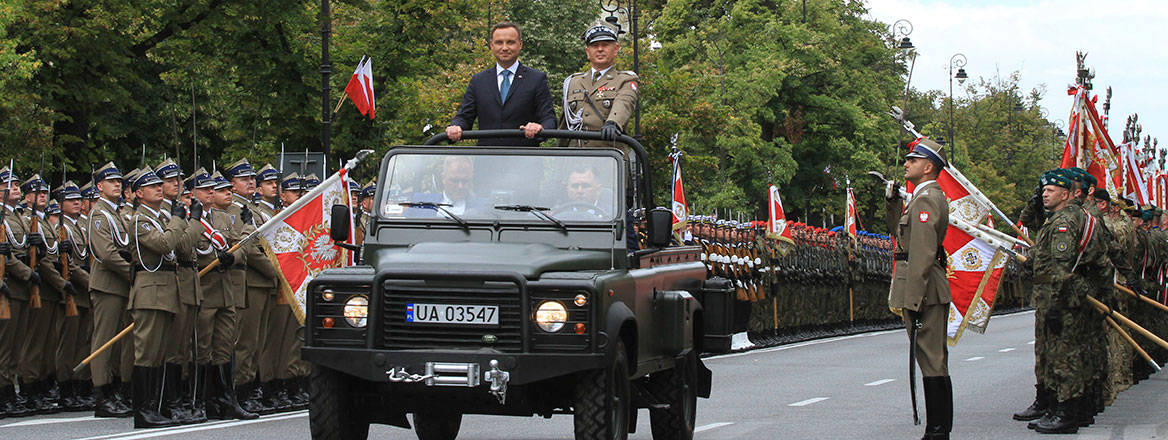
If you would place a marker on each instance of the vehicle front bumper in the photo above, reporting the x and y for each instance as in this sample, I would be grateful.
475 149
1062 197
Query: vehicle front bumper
384 365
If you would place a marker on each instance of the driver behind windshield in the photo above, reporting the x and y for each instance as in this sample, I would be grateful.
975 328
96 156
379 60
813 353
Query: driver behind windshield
457 195
584 195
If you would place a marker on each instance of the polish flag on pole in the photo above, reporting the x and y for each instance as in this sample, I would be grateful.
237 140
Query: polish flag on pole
850 218
777 223
679 207
360 88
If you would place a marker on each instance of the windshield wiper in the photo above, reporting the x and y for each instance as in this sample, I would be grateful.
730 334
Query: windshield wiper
440 207
537 210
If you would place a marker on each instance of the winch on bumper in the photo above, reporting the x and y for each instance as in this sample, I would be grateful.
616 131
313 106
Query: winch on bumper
489 369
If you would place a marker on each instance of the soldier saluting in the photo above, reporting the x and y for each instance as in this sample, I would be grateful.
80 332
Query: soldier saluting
920 289
600 98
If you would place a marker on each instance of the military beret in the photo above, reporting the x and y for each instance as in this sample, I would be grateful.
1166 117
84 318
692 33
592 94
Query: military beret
1057 177
1102 195
1146 214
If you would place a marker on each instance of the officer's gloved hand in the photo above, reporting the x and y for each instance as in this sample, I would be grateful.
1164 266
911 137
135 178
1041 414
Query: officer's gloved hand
245 215
34 278
226 259
125 254
36 239
891 190
196 210
69 289
4 289
610 130
5 249
65 247
178 210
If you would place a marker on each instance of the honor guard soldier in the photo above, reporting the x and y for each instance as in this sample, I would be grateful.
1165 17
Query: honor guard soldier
366 203
177 399
600 98
309 182
76 388
921 289
290 190
272 395
154 297
88 195
259 278
109 288
18 280
126 207
216 334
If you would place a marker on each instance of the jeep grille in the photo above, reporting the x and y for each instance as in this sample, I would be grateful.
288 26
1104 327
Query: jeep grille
398 334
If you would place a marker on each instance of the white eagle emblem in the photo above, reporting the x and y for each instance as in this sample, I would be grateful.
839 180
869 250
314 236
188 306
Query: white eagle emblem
322 249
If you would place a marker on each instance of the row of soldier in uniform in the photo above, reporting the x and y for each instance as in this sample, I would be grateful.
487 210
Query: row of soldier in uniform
1087 242
127 248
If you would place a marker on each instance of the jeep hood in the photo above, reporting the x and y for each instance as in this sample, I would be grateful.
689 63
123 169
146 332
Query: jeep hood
530 260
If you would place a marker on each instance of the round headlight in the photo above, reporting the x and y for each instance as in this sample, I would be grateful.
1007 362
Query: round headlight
356 310
550 316
327 295
581 300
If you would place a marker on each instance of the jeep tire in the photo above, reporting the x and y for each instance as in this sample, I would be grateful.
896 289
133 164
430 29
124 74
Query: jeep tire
430 425
676 387
331 412
603 400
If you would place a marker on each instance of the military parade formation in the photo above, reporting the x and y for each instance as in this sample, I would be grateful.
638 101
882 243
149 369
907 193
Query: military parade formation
138 269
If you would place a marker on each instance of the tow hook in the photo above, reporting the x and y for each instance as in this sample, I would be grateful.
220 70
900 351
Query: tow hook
443 374
498 379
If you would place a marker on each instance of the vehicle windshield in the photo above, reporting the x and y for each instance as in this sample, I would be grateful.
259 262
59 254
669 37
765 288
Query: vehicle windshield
463 188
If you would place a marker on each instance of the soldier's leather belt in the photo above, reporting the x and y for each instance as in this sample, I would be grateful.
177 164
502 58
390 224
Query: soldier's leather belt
187 264
167 268
900 256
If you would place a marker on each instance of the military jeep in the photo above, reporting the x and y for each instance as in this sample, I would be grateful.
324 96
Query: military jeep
513 281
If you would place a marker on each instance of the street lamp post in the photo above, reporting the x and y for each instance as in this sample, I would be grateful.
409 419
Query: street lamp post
958 61
629 9
900 32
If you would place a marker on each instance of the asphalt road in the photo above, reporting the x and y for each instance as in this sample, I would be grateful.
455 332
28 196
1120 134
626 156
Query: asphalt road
839 388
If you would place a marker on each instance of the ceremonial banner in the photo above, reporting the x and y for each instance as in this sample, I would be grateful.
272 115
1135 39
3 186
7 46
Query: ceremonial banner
777 221
679 207
1090 147
850 217
299 237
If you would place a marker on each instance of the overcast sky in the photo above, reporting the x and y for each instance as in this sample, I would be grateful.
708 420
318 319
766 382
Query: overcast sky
1123 40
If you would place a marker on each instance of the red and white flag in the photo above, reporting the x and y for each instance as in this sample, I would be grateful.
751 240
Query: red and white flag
777 227
360 88
850 218
298 237
679 207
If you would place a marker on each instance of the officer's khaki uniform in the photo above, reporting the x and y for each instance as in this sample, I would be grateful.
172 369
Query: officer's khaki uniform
179 346
919 283
109 285
154 297
43 325
254 305
275 334
13 331
588 103
216 324
76 330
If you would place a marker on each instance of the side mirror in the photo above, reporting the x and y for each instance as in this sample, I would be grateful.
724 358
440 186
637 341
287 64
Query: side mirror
340 223
660 227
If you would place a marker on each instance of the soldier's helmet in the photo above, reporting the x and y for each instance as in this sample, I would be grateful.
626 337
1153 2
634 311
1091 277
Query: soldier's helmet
268 172
926 148
291 182
34 184
145 178
107 171
241 168
167 169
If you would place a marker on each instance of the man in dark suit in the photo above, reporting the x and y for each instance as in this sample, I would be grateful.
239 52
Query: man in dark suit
508 96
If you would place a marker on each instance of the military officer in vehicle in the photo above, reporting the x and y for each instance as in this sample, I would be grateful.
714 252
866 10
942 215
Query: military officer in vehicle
920 289
109 286
154 296
602 97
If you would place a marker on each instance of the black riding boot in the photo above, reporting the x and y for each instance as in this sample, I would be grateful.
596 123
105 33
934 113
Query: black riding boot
46 397
276 395
105 402
250 398
1062 420
84 391
125 395
299 396
7 398
221 403
172 404
198 393
147 398
938 407
1038 408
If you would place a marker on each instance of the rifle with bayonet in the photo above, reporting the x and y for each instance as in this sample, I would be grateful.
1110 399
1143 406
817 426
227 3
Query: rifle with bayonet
34 228
63 236
5 310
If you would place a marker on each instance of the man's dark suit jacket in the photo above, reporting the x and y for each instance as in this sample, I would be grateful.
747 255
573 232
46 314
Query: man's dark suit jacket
529 101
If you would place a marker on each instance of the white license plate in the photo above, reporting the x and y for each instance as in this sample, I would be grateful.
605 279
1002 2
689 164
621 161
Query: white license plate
452 314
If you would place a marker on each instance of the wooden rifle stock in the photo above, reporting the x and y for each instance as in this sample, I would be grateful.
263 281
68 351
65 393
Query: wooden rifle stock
62 235
34 289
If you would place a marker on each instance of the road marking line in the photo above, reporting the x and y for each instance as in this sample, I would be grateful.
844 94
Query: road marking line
135 435
976 358
1006 350
52 420
809 401
879 382
1030 343
711 426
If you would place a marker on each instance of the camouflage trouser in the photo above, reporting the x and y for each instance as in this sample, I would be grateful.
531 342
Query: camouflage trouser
1065 368
1040 347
